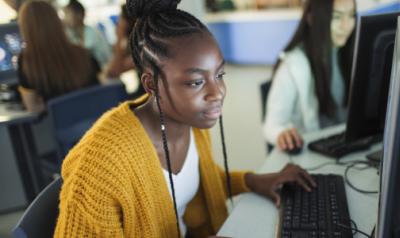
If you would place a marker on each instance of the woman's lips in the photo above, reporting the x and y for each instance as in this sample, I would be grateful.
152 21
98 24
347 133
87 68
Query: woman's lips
213 114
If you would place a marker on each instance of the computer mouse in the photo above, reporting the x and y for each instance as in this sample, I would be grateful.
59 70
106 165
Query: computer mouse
294 151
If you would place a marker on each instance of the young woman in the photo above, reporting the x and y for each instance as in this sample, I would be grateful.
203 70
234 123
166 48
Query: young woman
311 79
84 35
145 169
49 65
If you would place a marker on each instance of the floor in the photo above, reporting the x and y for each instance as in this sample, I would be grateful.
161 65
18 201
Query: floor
242 127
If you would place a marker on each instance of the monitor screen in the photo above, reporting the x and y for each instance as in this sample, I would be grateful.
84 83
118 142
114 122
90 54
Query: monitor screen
372 64
10 47
388 225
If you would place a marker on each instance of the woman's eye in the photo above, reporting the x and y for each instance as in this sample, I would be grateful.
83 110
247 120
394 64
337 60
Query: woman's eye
196 83
220 76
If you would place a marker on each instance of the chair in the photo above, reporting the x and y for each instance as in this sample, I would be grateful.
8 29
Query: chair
264 89
73 114
39 219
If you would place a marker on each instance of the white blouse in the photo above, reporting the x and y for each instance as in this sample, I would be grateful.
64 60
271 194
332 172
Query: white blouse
186 182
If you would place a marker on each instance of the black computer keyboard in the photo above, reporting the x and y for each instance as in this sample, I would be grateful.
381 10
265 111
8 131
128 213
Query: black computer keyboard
337 146
322 213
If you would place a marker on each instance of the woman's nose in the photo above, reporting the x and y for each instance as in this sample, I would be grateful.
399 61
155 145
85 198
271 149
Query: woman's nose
215 91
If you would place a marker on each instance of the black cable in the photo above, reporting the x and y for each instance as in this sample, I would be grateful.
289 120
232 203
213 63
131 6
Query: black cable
346 177
355 226
354 229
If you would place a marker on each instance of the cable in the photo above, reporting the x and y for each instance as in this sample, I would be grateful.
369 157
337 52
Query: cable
346 177
320 166
354 229
337 162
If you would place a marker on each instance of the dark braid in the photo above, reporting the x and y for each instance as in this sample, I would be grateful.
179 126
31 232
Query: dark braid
228 176
166 150
156 22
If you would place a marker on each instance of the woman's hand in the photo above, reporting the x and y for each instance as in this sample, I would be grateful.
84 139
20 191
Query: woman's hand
268 185
289 139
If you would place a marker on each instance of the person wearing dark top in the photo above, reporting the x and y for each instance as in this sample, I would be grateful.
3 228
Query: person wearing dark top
49 65
26 84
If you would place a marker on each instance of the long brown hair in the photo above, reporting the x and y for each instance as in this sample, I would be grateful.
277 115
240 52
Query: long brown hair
314 35
52 65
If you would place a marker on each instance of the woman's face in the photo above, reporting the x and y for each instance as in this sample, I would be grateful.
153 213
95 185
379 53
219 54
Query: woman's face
192 91
343 21
72 19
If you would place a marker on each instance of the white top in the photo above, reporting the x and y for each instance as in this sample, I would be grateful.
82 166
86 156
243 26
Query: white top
186 182
292 101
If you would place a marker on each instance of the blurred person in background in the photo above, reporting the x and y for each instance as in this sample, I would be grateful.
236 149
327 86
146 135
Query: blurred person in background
310 81
121 60
49 65
84 35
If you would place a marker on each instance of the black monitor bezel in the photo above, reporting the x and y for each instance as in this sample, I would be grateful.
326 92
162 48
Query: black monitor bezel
368 31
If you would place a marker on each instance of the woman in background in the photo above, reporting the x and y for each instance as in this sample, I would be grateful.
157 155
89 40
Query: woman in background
311 79
84 35
121 60
49 65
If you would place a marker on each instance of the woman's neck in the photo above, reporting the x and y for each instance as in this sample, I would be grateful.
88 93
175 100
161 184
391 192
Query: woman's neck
149 116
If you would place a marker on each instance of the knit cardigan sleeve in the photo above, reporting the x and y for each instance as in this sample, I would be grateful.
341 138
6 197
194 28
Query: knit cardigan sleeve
91 198
238 183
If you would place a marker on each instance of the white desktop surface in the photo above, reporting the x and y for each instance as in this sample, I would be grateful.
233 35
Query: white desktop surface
254 216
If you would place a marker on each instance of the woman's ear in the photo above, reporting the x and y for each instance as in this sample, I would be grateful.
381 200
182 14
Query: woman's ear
147 80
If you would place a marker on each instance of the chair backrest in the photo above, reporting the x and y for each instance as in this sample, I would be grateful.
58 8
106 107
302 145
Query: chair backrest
264 89
39 219
74 113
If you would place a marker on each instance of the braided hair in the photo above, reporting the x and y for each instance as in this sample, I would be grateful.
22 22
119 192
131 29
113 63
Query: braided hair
157 21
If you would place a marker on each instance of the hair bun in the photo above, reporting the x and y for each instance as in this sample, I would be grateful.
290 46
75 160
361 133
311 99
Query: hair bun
140 8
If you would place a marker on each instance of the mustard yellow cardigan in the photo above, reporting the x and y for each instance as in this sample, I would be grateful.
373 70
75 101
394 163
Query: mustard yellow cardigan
114 185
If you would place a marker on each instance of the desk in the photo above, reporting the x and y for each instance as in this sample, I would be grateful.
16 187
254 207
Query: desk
254 216
16 122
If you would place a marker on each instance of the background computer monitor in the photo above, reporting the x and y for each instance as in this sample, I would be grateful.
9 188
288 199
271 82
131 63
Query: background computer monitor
388 225
10 47
371 75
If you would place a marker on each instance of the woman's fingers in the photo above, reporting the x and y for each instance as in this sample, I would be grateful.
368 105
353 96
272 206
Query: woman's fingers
282 142
289 140
308 177
302 182
296 137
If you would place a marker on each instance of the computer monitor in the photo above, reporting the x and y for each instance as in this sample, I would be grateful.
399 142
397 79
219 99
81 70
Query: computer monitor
10 47
371 76
388 225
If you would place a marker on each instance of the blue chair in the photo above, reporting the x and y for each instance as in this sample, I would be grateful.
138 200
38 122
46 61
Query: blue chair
74 113
40 217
